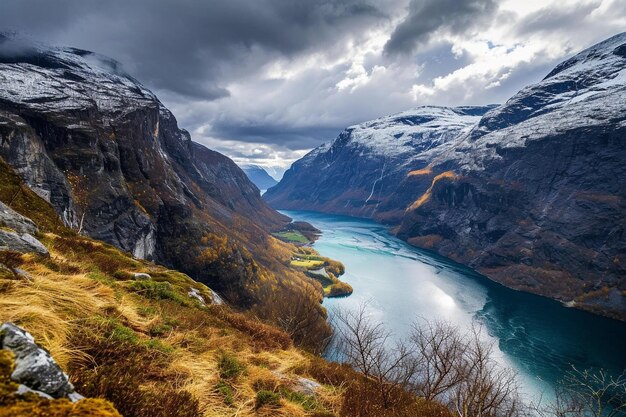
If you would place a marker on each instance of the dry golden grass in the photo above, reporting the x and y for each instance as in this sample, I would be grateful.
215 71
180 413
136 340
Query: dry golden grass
423 171
71 313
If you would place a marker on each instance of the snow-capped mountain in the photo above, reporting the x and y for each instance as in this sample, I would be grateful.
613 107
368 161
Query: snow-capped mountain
587 91
531 193
359 172
57 80
112 161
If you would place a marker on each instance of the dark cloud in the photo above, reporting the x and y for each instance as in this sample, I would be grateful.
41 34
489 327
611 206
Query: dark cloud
265 80
279 134
426 17
190 47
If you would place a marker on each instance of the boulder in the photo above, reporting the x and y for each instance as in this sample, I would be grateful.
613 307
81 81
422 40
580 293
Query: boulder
35 369
306 386
11 219
141 276
23 242
194 293
17 232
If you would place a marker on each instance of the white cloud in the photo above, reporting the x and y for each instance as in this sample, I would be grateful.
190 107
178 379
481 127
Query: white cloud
290 105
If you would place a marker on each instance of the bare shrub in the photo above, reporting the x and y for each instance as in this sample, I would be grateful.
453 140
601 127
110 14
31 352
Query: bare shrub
587 393
298 313
437 364
438 351
486 389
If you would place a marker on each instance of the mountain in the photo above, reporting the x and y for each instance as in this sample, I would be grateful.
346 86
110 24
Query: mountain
88 330
259 176
110 158
361 173
530 193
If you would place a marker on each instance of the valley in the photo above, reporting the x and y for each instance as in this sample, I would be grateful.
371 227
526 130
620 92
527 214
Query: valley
449 260
539 338
526 193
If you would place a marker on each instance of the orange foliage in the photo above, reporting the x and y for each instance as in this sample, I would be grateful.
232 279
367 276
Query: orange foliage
424 171
426 196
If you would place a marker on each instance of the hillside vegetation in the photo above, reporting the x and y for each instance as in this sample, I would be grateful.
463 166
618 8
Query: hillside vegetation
155 344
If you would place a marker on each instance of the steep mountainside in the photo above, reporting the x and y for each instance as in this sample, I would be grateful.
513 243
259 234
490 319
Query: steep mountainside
532 195
114 164
149 339
361 172
259 176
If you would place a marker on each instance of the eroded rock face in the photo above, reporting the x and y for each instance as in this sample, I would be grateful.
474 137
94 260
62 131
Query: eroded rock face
538 200
35 369
113 162
362 172
531 193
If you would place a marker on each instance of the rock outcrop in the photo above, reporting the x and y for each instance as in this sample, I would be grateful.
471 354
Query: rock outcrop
530 193
35 370
17 232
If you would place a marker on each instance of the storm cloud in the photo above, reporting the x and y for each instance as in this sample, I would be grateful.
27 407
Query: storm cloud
190 47
427 17
267 80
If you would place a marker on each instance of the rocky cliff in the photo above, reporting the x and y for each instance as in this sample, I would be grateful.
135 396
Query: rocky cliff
112 161
531 195
361 173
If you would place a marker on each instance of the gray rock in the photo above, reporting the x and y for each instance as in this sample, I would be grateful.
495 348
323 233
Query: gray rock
35 368
142 276
23 389
13 220
23 242
302 385
216 299
306 386
74 396
22 274
18 232
193 293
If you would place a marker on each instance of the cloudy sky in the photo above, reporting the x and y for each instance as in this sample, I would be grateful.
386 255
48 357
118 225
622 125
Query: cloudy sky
264 81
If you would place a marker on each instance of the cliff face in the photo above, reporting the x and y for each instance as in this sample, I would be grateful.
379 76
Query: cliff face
537 200
362 172
113 162
532 195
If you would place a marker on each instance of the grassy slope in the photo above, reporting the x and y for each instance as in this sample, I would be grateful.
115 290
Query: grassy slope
292 236
310 261
140 343
150 348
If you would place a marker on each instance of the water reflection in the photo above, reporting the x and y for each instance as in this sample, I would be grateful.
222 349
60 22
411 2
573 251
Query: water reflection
538 337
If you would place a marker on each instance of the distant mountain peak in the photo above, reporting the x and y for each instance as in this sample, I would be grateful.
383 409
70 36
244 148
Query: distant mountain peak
259 176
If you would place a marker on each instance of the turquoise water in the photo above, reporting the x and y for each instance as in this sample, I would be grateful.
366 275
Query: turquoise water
538 337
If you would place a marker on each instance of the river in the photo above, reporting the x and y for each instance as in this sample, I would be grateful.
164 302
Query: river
538 337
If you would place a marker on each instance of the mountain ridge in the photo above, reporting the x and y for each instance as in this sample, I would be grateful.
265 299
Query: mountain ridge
110 158
369 161
528 194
